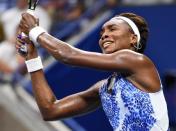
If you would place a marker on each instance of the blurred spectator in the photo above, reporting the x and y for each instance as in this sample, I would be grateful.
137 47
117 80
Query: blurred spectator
112 3
65 18
107 3
11 18
10 61
74 9
53 7
98 7
72 15
68 15
145 2
69 10
170 95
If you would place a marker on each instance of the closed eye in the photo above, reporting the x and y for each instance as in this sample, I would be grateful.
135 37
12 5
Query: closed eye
113 28
110 28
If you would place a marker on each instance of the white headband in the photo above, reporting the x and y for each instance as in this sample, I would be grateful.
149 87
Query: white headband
133 27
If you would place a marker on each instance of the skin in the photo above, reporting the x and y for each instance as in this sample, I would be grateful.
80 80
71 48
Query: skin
22 4
118 56
5 68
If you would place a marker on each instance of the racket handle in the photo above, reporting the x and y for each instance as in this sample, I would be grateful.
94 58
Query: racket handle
23 49
31 12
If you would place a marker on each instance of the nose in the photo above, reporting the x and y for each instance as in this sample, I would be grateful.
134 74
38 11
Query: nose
104 35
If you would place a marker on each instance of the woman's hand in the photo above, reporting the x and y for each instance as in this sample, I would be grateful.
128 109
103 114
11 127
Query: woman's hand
31 49
28 22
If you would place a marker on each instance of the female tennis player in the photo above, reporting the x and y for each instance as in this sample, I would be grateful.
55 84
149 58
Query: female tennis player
132 97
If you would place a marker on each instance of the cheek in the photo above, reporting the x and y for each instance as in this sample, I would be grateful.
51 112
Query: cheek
122 40
99 43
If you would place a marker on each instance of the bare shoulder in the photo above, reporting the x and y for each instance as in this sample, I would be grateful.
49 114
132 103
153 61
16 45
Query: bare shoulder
132 60
131 54
144 73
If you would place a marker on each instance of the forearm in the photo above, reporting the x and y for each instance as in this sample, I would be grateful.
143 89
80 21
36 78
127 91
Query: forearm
42 92
70 55
57 48
53 109
70 106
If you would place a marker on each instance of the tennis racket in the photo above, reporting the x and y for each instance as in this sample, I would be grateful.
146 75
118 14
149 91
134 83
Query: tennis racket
31 7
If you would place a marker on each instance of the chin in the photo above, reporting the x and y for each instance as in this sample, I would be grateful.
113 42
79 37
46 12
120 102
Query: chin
108 51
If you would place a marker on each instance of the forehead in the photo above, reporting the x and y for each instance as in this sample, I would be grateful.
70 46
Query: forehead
115 22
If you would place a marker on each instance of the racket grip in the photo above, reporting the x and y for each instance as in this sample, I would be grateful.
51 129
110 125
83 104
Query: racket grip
31 12
23 49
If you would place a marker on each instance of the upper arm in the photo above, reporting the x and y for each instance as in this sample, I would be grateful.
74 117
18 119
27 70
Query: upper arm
120 61
76 104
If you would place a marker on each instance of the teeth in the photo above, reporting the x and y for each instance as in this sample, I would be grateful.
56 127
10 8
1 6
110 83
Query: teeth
106 44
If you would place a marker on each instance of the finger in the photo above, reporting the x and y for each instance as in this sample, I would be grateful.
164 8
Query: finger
28 17
20 39
25 16
26 40
19 42
17 47
21 26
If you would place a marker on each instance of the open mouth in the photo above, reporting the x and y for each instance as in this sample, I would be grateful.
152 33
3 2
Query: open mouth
106 44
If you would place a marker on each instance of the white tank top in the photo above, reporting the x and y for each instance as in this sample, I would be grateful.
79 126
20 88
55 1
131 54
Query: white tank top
130 109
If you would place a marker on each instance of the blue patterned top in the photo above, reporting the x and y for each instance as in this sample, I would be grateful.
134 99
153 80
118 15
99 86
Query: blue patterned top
127 108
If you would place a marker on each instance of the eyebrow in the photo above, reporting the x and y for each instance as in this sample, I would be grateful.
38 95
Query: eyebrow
111 25
108 26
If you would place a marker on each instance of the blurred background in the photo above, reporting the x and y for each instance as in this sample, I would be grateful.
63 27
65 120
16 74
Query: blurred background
77 22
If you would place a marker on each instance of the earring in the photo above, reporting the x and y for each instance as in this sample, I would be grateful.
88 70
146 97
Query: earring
138 46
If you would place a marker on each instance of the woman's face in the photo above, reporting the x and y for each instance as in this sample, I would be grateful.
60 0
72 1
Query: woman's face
116 35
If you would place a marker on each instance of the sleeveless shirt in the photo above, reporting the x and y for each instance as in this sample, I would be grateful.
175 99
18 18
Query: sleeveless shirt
130 109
